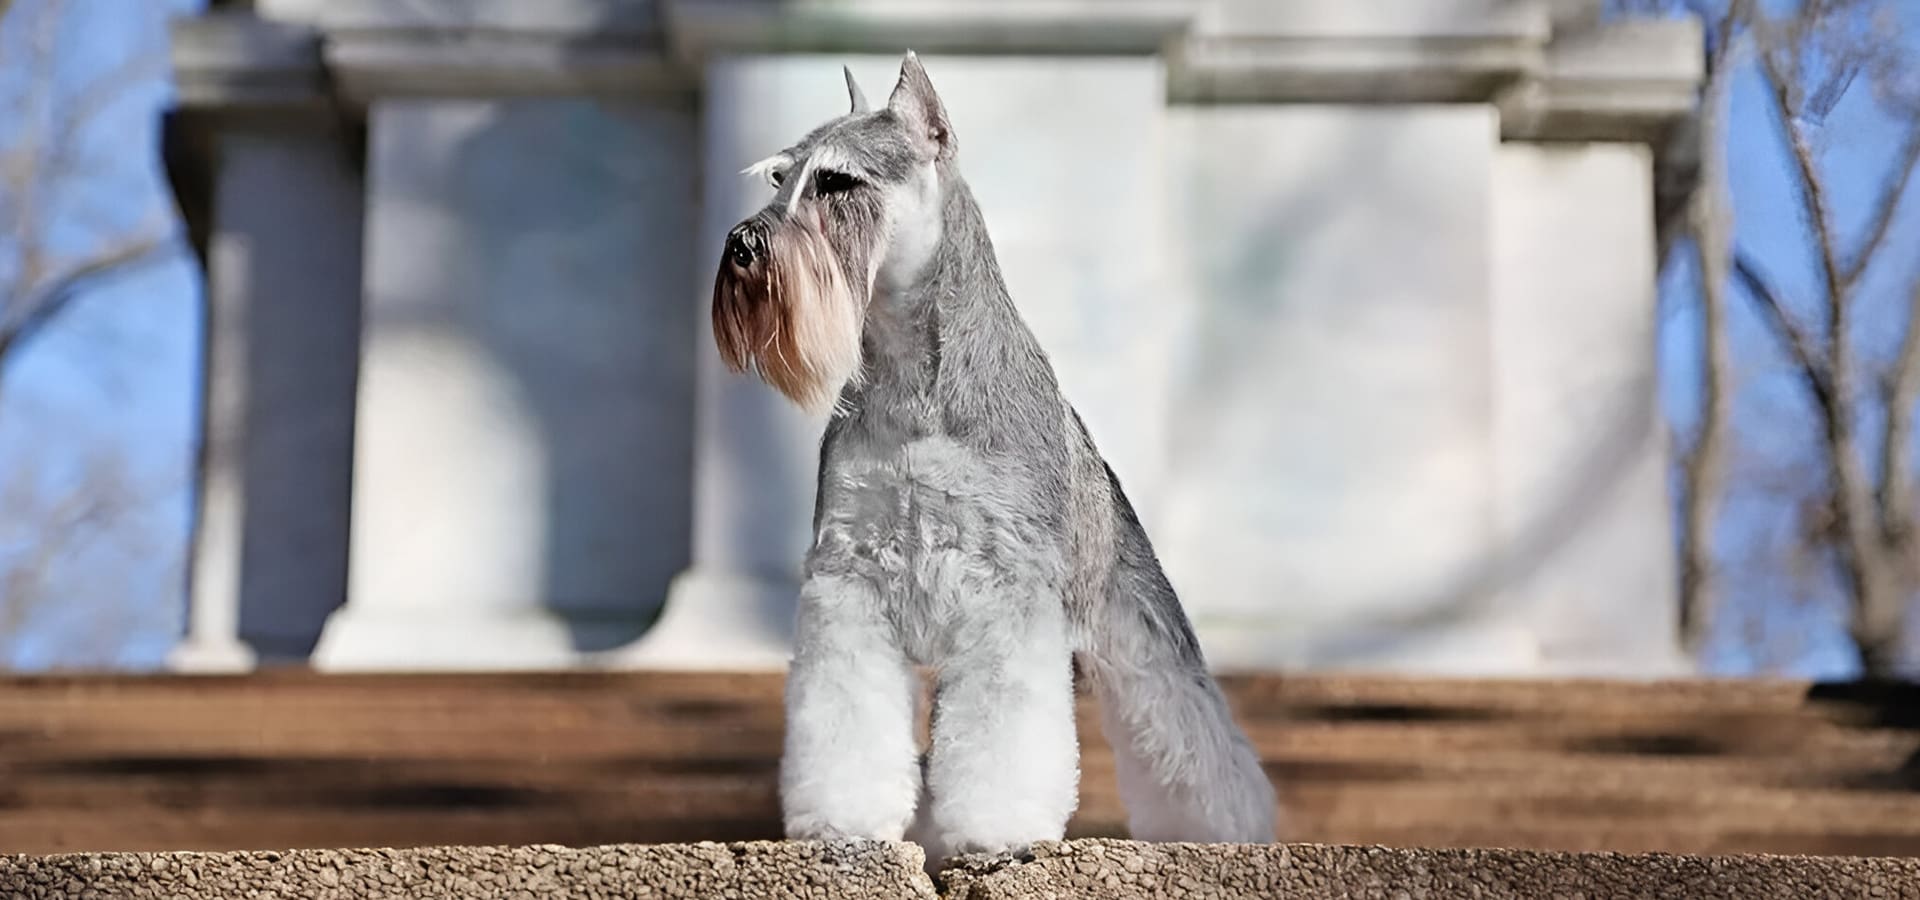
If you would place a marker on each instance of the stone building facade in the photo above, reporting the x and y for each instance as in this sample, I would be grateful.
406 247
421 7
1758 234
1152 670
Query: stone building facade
1358 297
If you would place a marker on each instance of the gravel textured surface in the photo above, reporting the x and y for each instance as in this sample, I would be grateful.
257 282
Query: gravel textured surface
737 871
1074 870
1096 870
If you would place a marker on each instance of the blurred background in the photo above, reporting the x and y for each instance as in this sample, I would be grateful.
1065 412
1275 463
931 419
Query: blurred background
1432 338
1482 337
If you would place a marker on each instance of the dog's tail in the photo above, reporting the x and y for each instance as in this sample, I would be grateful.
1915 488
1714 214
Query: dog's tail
1186 770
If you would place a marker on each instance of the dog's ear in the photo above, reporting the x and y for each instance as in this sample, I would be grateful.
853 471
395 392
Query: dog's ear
854 94
915 101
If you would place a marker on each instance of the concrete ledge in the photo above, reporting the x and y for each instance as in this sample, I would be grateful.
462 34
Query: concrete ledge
1096 870
1093 870
657 872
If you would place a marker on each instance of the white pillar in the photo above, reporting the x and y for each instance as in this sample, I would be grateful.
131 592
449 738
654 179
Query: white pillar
1064 156
519 496
1580 446
755 455
270 548
1331 504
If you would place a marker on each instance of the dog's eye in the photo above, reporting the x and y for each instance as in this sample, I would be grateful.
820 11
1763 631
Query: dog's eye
776 176
827 181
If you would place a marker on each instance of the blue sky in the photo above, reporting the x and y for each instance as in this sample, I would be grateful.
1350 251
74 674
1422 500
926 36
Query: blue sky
119 372
117 375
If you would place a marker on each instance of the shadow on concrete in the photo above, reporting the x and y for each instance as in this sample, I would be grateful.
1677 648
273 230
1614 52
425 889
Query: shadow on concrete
1230 342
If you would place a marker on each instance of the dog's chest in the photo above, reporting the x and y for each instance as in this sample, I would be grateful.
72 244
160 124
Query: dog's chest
929 514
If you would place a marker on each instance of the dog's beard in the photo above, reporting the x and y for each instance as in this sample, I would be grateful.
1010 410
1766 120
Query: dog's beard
791 317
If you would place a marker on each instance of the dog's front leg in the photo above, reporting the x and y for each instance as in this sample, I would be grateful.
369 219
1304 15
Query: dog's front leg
850 768
1004 767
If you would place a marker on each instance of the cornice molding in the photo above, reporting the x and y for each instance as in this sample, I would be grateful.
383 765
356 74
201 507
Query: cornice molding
698 28
1555 71
233 62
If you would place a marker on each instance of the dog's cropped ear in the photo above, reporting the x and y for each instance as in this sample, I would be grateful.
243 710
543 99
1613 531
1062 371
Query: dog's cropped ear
915 101
854 94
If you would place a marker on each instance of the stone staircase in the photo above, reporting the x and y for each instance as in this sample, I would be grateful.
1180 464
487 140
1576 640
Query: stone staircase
1072 870
297 760
109 787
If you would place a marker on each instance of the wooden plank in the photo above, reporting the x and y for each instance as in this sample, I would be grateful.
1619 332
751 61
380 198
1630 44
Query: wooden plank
292 759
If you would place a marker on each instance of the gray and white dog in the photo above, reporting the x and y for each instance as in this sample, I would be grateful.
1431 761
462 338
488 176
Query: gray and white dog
964 522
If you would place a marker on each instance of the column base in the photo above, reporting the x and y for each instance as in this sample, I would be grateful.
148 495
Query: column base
465 639
1479 650
211 656
717 620
1448 651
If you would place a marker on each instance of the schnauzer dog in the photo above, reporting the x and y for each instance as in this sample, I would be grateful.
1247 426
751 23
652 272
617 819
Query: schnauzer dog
963 522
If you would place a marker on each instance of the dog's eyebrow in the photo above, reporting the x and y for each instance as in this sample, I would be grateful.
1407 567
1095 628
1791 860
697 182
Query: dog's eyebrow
834 159
765 167
799 188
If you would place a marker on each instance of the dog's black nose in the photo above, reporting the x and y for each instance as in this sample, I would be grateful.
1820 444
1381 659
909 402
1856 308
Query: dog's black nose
741 246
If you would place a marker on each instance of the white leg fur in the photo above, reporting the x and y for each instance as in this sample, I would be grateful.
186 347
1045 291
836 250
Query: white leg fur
850 768
1004 768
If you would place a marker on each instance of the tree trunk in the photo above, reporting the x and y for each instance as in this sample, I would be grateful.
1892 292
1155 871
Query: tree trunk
1879 627
1710 218
1873 568
1879 615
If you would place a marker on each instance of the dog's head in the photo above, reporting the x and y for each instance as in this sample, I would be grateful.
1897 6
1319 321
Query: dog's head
855 210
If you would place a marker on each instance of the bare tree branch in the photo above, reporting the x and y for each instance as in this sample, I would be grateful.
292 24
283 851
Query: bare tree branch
85 512
41 166
1798 342
1808 185
22 317
1891 191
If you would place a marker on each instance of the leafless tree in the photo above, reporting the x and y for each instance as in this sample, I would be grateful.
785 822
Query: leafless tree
44 165
78 529
1809 55
1806 58
70 553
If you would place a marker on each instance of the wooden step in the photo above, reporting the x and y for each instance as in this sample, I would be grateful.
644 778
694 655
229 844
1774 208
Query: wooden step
297 760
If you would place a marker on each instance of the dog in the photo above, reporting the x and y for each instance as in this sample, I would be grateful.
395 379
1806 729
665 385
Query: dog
963 522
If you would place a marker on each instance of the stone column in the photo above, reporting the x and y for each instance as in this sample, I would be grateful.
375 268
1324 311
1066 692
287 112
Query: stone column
1583 512
280 353
1368 444
270 551
754 454
1332 499
1064 155
522 452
